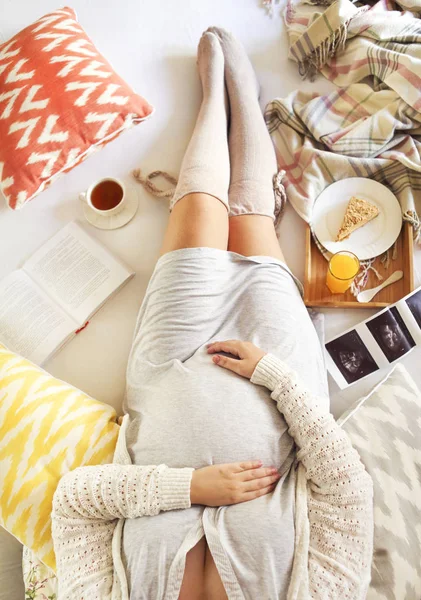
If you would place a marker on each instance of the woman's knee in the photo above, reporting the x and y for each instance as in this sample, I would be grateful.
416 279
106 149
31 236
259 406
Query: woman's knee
197 220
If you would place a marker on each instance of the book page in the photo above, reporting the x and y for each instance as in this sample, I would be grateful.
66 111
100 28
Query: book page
76 271
30 324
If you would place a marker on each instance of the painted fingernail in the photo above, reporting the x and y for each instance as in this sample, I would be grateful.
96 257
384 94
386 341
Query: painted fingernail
216 359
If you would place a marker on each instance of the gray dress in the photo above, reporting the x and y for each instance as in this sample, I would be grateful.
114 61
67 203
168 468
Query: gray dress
186 411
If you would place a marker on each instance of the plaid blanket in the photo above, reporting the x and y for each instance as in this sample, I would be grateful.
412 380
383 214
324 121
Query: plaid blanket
370 126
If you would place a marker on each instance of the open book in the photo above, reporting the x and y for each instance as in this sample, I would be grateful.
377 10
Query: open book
53 296
376 342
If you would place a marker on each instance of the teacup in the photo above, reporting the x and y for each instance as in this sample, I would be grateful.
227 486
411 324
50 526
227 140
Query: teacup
106 197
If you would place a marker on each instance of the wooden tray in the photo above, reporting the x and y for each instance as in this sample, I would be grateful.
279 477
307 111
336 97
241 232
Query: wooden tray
316 293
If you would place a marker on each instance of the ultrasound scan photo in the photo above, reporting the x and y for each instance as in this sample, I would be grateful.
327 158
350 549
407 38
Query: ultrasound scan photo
351 356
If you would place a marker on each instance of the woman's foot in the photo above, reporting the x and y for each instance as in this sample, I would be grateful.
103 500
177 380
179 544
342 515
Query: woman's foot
210 64
239 73
252 156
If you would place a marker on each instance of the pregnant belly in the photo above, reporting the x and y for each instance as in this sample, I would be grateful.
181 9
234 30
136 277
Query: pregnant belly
191 419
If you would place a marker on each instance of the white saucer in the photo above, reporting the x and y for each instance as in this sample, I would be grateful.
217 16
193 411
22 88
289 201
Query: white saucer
118 220
369 241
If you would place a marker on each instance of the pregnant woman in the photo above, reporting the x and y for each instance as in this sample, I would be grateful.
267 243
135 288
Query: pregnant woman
251 489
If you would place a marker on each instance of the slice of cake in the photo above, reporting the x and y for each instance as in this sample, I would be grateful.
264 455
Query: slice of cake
358 213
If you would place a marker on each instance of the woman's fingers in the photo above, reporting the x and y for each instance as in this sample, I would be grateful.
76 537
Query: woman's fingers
248 354
232 364
257 473
246 465
261 492
229 346
259 484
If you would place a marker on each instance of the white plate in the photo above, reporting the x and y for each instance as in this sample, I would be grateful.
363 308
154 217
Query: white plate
372 239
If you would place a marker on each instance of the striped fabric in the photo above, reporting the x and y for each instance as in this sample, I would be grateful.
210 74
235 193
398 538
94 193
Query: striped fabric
370 126
47 428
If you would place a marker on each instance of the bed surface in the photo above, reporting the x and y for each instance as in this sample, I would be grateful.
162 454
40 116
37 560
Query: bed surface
152 45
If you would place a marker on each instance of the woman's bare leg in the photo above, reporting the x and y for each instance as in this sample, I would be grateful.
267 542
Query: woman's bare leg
214 588
197 220
192 587
201 578
252 158
253 235
199 208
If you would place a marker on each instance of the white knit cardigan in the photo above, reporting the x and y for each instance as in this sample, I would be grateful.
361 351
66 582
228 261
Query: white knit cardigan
334 506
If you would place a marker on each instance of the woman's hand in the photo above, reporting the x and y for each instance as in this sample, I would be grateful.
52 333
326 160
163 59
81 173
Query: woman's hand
220 485
248 356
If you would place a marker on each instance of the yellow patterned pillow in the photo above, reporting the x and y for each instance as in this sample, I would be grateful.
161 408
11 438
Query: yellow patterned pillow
47 428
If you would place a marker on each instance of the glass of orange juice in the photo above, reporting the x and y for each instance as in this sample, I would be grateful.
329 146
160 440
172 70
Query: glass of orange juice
342 270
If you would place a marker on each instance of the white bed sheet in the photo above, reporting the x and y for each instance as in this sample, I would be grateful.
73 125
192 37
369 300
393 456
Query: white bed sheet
153 46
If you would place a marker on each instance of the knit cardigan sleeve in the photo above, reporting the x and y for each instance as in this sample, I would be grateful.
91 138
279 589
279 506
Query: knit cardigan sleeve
86 507
339 489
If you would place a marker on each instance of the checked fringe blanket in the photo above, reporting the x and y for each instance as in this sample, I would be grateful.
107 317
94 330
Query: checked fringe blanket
370 126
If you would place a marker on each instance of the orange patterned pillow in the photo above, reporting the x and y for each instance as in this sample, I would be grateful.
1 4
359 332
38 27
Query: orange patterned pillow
59 101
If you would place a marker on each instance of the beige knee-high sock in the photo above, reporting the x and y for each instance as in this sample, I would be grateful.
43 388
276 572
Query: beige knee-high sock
205 166
252 156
